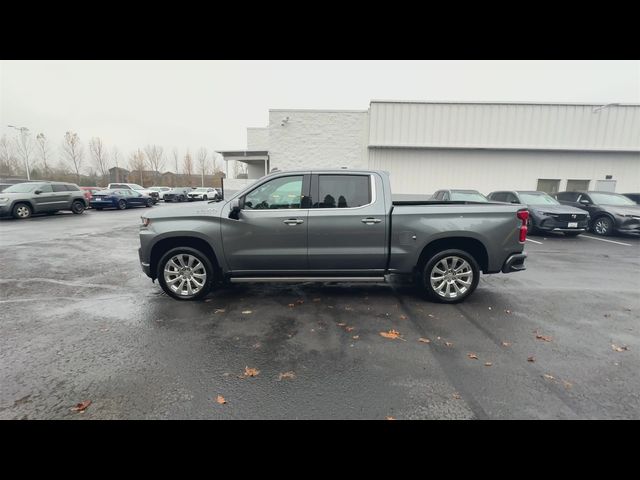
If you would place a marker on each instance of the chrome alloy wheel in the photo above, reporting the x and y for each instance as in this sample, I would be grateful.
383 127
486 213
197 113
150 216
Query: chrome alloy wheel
23 211
451 277
602 226
185 275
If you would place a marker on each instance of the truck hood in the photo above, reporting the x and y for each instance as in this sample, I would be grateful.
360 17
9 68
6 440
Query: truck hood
559 209
198 210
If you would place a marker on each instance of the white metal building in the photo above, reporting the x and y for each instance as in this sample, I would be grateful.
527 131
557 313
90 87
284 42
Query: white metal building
426 146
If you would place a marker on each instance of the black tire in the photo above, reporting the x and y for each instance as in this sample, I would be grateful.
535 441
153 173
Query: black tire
602 226
181 198
205 198
22 211
445 254
122 204
531 228
572 234
78 207
208 267
149 203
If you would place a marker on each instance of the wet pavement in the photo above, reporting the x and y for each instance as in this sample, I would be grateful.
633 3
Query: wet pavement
80 321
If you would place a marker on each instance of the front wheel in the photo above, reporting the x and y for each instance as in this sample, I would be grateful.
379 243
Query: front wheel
77 207
450 276
122 204
22 211
185 273
205 198
149 203
602 226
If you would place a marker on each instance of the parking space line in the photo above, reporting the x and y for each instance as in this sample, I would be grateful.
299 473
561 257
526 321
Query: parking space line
534 241
604 240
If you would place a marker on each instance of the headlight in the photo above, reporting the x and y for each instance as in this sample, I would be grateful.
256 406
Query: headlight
145 221
628 216
3 199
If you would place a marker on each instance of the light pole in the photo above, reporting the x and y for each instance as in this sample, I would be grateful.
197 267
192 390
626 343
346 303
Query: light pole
24 131
42 140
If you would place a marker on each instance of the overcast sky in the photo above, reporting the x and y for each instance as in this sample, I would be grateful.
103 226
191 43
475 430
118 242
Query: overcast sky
210 103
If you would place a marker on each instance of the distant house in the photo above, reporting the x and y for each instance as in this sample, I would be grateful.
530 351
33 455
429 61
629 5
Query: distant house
117 174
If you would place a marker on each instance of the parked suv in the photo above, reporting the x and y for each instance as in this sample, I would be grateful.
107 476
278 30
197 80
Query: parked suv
203 193
546 214
610 212
134 186
161 191
24 199
177 194
459 196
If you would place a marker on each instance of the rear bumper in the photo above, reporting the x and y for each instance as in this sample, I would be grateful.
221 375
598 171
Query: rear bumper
515 263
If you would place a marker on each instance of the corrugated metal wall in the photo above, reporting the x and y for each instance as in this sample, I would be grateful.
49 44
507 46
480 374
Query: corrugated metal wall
519 126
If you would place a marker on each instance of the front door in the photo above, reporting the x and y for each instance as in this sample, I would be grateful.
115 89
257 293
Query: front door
348 223
270 234
46 200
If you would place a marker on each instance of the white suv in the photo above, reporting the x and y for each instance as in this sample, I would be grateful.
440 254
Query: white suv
161 191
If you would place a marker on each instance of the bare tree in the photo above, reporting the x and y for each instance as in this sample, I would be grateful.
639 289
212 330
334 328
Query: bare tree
8 161
24 149
44 153
176 158
137 163
100 156
202 164
187 166
116 157
73 152
155 157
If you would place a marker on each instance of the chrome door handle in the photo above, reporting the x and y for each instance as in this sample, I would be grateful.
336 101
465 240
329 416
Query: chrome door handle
293 221
370 221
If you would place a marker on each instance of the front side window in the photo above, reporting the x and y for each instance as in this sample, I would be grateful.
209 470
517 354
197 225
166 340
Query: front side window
343 191
46 188
279 193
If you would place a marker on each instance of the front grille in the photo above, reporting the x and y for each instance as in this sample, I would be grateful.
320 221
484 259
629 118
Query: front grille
569 217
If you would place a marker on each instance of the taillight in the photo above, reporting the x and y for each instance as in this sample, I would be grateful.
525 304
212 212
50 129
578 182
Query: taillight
523 216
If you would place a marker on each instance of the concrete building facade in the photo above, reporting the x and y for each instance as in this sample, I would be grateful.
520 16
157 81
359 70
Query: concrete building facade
426 146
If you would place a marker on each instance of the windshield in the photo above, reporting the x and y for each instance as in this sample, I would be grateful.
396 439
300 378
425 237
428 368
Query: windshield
468 197
22 188
537 199
201 189
609 199
136 187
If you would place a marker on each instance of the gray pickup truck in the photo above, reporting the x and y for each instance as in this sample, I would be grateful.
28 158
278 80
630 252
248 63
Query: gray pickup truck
331 226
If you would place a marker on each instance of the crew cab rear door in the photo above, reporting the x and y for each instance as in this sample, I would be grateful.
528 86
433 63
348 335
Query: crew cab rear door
347 223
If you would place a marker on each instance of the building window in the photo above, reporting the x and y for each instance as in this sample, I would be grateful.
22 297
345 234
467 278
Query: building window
548 185
577 185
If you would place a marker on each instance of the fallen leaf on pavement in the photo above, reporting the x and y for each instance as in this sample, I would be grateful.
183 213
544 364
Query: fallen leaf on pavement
291 305
220 399
543 337
567 384
341 324
247 312
424 340
316 299
356 337
531 359
472 356
348 309
219 310
619 349
448 344
389 418
456 396
403 317
487 364
299 302
549 377
289 375
507 311
506 344
81 407
250 372
349 329
429 315
393 334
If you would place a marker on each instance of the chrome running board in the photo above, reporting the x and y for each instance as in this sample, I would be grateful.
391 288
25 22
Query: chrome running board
306 279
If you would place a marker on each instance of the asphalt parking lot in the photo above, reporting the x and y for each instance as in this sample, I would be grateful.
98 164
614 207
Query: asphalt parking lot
80 321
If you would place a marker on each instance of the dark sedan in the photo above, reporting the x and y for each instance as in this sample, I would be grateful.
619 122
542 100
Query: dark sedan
120 199
610 212
546 214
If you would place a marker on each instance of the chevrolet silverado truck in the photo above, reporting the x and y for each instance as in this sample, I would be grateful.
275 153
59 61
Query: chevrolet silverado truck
331 226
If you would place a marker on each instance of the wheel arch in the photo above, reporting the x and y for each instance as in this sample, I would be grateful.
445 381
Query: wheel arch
472 246
164 245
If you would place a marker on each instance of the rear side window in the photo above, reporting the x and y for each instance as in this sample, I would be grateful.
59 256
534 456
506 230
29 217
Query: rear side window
343 191
59 188
72 188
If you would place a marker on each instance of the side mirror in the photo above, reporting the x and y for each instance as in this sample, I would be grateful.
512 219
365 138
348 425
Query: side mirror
234 213
38 192
584 202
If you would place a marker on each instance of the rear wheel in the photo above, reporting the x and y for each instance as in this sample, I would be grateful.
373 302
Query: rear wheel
77 207
149 203
205 198
450 276
22 211
185 273
122 204
602 226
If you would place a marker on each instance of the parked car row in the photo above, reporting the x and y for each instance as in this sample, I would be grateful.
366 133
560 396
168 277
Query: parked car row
571 213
